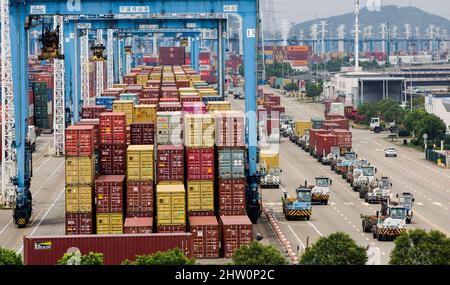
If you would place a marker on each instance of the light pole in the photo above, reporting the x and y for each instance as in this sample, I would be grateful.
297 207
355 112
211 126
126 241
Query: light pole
425 137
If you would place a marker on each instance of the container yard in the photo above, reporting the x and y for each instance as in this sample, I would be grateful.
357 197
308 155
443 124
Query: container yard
194 132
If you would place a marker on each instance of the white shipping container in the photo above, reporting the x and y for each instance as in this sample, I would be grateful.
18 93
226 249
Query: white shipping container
337 109
169 128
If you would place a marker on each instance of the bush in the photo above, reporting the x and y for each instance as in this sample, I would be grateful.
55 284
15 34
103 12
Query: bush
415 142
9 257
171 257
76 258
257 254
336 249
402 132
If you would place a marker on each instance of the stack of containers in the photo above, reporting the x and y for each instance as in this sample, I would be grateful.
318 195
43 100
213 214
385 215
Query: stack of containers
199 143
109 203
170 191
139 195
113 143
80 172
142 130
230 143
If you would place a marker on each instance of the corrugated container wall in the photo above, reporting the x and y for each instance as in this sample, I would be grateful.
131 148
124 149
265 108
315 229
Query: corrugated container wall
205 235
236 232
231 163
171 204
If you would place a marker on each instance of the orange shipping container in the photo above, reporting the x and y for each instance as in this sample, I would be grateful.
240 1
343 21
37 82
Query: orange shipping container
299 62
298 48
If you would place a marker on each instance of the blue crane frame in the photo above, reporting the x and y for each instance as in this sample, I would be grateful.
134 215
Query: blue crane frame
21 9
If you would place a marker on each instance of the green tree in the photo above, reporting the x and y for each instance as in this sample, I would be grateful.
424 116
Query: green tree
336 249
417 247
412 118
257 254
9 257
433 126
313 89
92 258
291 87
171 257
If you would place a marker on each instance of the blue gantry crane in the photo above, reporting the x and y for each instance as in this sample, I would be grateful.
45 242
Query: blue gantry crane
72 17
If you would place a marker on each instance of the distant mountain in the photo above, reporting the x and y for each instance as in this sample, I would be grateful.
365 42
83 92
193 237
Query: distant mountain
396 16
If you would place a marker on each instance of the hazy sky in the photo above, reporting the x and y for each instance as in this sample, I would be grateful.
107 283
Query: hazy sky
302 10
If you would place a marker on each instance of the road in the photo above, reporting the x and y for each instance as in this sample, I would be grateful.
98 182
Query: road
409 172
47 187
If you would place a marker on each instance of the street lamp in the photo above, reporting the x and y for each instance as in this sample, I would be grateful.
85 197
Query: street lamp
425 137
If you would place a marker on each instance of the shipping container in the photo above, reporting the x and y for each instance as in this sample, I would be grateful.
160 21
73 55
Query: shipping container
113 159
231 163
79 198
140 162
142 133
218 106
344 139
80 170
200 163
199 130
169 128
337 109
170 163
236 232
316 123
126 107
106 101
173 106
171 204
113 128
136 225
92 112
232 200
301 126
230 129
327 125
139 199
270 159
129 97
109 193
171 229
79 224
96 124
324 143
80 140
144 114
342 122
313 134
200 196
205 236
109 223
194 108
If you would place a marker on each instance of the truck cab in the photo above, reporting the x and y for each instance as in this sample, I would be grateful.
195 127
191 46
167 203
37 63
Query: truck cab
342 166
390 224
298 206
320 193
381 193
367 178
375 124
406 200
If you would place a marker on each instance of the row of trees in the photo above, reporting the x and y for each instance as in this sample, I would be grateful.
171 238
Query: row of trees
417 121
416 247
313 89
337 64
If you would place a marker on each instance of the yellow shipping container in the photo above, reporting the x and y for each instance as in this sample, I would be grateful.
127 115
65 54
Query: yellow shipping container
121 86
194 77
286 81
109 223
80 170
79 198
269 159
140 162
199 130
144 114
200 196
142 79
127 107
171 204
218 106
300 127
187 90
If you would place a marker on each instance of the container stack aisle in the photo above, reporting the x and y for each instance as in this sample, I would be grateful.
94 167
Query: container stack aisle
80 175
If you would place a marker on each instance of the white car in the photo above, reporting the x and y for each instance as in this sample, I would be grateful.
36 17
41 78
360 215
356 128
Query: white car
390 151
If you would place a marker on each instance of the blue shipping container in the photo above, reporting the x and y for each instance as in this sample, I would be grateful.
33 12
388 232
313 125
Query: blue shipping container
106 101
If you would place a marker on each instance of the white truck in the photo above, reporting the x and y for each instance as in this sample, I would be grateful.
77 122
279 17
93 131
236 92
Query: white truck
387 226
381 193
320 193
365 181
377 126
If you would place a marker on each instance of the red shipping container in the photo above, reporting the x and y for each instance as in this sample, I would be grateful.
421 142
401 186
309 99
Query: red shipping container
148 101
138 226
169 100
230 129
170 163
205 236
324 142
189 99
236 232
330 126
232 196
344 138
96 124
115 248
327 105
272 125
140 199
275 99
113 128
200 163
275 111
171 229
113 159
312 136
194 108
343 123
150 92
109 193
200 213
92 112
80 140
262 114
142 133
79 224
333 117
169 106
183 83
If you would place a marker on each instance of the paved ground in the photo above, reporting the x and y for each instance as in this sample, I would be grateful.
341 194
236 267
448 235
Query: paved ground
47 188
409 172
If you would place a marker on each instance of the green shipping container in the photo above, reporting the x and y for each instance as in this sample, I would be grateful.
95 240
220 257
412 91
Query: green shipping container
317 123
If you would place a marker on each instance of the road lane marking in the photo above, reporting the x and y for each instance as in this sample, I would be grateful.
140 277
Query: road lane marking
431 223
316 229
296 237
